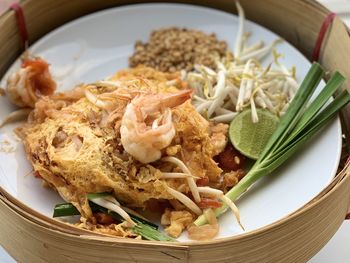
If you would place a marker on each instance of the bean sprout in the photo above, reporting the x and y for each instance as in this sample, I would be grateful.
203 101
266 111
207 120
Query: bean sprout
112 204
15 116
190 180
185 201
243 82
219 194
176 175
94 99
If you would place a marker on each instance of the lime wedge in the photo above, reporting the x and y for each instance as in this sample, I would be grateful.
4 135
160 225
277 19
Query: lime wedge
250 138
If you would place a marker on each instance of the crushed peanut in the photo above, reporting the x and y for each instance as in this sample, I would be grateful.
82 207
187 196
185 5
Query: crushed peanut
174 49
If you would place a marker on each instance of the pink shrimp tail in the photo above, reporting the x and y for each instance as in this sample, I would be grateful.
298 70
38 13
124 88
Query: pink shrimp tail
174 99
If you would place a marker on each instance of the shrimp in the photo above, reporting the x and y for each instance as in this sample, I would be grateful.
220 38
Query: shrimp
30 82
147 126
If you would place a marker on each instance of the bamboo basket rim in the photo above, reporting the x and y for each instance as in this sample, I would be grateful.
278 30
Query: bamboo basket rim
317 5
330 188
106 239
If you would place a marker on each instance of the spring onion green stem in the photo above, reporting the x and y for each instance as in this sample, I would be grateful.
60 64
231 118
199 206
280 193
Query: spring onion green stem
149 233
65 209
98 195
299 124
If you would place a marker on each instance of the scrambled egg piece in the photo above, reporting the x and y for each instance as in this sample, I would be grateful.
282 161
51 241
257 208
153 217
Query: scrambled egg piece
76 151
177 221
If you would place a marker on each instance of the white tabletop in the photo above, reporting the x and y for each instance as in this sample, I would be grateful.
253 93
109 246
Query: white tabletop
337 249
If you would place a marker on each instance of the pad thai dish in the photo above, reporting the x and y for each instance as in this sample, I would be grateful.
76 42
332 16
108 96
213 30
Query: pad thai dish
136 136
155 137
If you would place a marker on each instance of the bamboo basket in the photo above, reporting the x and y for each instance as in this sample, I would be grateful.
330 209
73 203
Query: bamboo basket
30 237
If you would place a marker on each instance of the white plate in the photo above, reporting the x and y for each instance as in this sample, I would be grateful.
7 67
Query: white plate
98 45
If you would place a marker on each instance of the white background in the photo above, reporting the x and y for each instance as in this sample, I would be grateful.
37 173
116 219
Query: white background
338 248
